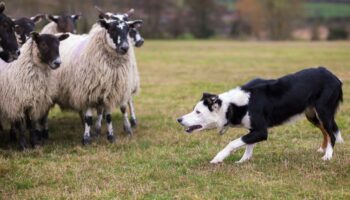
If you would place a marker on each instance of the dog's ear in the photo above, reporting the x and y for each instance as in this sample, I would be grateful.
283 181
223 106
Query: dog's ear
212 101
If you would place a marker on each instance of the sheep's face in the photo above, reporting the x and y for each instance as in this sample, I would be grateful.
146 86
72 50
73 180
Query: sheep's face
136 36
65 23
8 44
48 46
117 33
133 32
25 26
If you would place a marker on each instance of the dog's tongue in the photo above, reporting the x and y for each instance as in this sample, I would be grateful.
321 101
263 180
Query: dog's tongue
192 128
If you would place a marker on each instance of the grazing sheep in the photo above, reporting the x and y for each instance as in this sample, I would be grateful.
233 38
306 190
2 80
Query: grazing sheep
96 72
61 24
8 43
24 83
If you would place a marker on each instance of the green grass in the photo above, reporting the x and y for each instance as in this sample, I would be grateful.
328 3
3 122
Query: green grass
162 162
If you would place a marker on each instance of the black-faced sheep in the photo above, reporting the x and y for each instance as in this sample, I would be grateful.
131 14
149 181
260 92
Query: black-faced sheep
61 24
24 83
9 50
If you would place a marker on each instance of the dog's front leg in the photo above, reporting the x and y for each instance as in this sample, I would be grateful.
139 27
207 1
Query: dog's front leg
250 139
232 146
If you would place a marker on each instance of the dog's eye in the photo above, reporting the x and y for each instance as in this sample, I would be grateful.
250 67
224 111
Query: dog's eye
198 112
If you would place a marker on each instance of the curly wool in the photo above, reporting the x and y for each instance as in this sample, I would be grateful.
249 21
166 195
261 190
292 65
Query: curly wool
92 74
24 86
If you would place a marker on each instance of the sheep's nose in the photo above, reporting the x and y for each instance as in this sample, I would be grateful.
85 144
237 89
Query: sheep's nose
124 47
179 120
139 43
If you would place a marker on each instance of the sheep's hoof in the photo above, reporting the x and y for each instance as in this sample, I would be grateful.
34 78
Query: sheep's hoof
133 122
128 130
110 138
45 134
86 140
35 137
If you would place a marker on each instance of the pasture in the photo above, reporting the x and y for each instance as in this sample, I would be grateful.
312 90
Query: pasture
162 162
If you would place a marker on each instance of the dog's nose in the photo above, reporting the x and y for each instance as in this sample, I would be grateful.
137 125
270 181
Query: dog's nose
179 120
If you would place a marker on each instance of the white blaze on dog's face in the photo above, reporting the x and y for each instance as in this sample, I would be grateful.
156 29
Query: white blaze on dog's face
206 115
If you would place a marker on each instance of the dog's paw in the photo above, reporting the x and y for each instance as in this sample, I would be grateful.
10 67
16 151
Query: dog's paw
214 161
326 157
320 150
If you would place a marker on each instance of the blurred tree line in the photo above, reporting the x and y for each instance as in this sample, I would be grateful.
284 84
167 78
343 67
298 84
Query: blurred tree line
257 19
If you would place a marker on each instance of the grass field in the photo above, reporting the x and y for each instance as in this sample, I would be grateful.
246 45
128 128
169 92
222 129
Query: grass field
162 162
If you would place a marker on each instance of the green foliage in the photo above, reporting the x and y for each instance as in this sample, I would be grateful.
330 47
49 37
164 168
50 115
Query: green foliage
162 162
327 10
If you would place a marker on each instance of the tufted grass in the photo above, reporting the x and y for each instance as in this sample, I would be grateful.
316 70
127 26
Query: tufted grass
162 162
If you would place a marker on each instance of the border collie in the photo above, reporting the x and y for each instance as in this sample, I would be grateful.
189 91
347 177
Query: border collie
261 104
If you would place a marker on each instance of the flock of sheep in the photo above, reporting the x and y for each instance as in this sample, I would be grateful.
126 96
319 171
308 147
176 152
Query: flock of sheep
85 73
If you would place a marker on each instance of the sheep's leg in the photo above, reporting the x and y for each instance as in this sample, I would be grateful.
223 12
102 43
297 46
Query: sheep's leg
1 127
110 134
44 126
98 123
126 123
19 126
88 124
133 120
13 133
34 133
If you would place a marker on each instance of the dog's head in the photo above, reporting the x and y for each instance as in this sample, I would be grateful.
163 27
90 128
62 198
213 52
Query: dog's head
207 114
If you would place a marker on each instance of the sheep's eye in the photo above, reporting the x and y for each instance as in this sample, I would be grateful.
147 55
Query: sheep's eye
198 112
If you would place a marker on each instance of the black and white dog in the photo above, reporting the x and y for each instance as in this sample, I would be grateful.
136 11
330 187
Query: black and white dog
261 104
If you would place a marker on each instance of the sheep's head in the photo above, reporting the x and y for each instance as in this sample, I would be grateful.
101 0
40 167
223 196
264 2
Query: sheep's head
8 43
25 26
117 33
48 46
133 32
65 23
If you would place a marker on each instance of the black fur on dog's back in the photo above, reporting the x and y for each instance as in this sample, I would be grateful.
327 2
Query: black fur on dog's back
282 98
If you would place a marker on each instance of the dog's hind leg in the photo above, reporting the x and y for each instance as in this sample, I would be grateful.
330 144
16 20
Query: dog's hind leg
337 134
311 115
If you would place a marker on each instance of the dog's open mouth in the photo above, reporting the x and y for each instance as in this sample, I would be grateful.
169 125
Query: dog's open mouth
193 128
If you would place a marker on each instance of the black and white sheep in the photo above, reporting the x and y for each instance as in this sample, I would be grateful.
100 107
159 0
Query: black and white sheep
96 72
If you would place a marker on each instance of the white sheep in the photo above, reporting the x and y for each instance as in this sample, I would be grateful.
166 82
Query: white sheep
24 83
96 72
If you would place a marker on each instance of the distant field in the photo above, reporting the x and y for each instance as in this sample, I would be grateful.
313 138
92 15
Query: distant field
327 10
162 162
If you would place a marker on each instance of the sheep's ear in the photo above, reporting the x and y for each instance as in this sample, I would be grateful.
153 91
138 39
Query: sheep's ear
103 23
35 36
75 17
37 18
63 36
2 7
54 18
135 23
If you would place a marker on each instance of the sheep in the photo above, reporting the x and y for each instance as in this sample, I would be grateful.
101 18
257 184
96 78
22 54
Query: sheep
61 24
9 50
96 72
25 25
24 89
138 42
